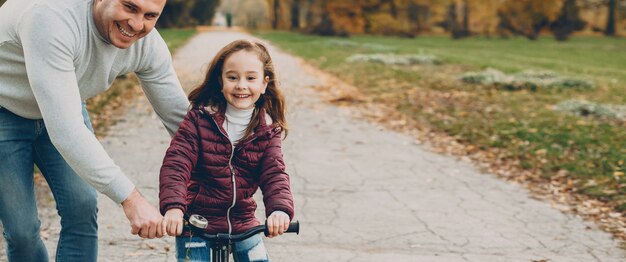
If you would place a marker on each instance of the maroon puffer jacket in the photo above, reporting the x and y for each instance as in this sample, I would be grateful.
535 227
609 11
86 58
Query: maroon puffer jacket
200 168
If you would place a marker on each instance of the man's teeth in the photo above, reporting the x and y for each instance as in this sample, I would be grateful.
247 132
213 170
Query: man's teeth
124 32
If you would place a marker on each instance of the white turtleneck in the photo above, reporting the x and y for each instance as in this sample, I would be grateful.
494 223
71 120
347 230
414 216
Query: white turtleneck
236 122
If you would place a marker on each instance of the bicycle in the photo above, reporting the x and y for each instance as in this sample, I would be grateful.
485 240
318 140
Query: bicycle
221 244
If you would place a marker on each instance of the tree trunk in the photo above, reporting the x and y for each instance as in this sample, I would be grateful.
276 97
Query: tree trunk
610 21
309 14
466 17
276 16
393 9
568 21
451 19
295 15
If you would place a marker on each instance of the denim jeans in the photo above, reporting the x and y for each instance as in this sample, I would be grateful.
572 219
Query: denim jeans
23 143
196 249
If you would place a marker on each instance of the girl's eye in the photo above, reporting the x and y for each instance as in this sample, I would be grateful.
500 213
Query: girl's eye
251 78
231 78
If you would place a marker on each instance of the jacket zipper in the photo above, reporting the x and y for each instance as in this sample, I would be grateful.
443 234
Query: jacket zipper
232 176
232 173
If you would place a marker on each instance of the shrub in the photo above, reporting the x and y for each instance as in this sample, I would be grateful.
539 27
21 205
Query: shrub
528 79
586 108
394 59
347 43
487 77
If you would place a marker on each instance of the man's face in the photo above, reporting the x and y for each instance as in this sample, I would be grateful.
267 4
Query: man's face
123 22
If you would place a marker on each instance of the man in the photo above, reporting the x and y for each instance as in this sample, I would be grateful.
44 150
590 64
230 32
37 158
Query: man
53 56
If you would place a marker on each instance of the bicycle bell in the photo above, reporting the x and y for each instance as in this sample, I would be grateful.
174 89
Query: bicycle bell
198 221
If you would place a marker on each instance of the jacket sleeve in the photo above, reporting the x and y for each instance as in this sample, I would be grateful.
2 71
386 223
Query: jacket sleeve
274 181
179 161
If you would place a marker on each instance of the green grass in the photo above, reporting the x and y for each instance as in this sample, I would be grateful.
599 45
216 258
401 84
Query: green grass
175 38
520 125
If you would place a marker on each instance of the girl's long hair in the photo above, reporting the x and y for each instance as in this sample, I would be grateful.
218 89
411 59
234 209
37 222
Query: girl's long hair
209 93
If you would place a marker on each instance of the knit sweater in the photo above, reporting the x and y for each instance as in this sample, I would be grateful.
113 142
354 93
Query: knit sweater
52 57
237 120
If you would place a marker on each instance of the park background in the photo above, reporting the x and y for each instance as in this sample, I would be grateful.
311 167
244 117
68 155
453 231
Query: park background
530 90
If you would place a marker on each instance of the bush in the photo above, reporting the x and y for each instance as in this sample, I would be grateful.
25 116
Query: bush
341 43
346 43
528 79
487 77
385 24
393 59
586 108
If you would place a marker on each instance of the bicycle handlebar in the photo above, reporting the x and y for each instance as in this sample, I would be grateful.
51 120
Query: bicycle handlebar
294 227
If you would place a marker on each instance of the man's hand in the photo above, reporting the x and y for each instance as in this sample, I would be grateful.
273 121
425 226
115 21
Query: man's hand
145 220
173 222
277 223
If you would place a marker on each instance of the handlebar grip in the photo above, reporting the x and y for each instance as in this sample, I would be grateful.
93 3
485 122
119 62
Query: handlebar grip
294 227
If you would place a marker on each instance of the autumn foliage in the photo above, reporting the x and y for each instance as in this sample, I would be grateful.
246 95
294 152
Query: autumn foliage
460 18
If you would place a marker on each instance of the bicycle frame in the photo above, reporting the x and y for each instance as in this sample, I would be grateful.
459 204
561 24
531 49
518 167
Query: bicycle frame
221 243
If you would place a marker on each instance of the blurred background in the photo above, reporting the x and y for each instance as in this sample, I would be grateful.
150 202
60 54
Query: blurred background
408 18
533 90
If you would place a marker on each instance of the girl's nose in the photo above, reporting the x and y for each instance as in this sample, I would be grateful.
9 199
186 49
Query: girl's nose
240 84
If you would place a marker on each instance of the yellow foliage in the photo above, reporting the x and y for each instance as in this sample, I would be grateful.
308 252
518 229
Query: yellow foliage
346 17
384 23
527 17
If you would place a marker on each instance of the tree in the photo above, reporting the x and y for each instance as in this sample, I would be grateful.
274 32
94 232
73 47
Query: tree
419 17
610 21
176 13
276 12
527 17
248 13
295 14
568 22
463 30
310 14
204 10
452 21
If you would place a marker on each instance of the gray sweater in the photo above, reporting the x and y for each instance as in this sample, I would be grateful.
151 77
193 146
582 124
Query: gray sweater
52 57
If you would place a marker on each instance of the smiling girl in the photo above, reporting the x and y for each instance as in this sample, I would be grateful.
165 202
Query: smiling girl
229 145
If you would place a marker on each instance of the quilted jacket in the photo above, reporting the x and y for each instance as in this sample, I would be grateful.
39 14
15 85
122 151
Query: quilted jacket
202 173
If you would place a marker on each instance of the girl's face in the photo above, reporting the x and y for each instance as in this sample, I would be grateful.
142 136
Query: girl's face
243 81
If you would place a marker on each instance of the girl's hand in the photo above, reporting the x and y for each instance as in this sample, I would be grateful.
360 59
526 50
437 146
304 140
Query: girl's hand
173 222
277 223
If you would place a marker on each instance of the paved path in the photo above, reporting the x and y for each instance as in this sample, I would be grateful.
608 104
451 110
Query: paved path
362 193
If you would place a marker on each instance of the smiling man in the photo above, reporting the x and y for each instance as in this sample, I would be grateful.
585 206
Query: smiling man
53 56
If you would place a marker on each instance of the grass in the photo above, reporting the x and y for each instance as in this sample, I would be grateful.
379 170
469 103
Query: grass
124 88
521 126
175 38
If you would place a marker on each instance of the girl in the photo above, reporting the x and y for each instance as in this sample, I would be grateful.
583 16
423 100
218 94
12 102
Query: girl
229 145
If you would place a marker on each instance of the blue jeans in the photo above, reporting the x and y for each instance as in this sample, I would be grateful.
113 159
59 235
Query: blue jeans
23 143
196 249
